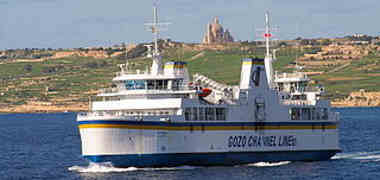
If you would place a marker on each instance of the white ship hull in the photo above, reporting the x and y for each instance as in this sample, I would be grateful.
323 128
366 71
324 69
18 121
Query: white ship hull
161 118
162 144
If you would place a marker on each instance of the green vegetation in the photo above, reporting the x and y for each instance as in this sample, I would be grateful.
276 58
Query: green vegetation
68 78
74 79
361 74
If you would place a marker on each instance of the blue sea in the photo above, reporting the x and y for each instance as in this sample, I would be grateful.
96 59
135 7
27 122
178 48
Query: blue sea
47 146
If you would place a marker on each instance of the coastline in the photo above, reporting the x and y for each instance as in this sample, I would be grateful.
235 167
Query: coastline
73 107
81 107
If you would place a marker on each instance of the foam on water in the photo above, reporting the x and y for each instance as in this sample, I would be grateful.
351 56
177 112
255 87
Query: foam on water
100 168
371 156
107 167
269 164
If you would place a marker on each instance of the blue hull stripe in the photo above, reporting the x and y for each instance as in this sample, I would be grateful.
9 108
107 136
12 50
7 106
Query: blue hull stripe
210 159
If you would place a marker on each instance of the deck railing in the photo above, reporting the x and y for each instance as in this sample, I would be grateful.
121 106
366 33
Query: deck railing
104 115
298 102
131 72
116 90
290 75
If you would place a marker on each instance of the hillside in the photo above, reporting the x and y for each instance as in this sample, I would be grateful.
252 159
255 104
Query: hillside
65 84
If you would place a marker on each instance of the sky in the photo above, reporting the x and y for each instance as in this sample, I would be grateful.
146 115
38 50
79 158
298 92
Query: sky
89 23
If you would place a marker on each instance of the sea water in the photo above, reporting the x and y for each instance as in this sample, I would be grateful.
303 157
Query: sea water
47 146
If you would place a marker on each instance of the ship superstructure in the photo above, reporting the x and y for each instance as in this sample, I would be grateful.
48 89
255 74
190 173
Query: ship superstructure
160 118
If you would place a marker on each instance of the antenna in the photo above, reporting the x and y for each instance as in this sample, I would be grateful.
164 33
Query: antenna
155 28
266 33
298 50
269 58
298 45
124 67
124 46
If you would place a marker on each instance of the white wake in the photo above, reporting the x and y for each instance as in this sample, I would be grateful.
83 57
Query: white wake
370 156
109 168
269 164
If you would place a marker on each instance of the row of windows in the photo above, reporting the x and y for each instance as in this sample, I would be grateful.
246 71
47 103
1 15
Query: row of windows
309 114
152 84
135 113
292 87
205 114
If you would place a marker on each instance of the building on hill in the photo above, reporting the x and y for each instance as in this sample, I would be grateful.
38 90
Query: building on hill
216 34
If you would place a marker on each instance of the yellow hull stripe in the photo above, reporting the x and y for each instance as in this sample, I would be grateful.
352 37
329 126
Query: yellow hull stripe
176 66
255 63
205 128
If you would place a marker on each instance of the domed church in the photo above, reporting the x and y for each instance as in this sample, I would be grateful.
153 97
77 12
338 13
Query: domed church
216 34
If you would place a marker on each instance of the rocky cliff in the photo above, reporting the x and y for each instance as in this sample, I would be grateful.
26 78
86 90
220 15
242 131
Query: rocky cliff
361 98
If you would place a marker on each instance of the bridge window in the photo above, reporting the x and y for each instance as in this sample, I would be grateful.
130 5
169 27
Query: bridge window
309 113
187 114
150 84
176 85
134 84
220 114
194 114
210 115
295 114
205 114
129 84
305 114
201 114
161 84
325 114
157 84
312 113
140 84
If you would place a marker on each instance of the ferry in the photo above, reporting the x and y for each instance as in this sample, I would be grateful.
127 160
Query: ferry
162 117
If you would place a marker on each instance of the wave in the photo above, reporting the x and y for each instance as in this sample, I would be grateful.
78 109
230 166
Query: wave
269 164
107 167
370 156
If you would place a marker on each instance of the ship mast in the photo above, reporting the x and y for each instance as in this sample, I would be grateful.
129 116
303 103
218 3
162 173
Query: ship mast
268 57
267 34
155 29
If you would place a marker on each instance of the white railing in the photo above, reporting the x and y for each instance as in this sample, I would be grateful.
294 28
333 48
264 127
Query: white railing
298 102
145 91
124 116
290 75
106 115
121 73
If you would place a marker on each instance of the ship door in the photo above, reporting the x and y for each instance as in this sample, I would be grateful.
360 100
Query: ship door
243 97
260 109
162 140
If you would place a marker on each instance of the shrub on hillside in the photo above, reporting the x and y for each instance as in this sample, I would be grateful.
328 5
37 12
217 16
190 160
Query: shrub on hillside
28 68
52 69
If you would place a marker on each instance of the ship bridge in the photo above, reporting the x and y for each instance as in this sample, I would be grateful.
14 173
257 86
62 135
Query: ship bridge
173 81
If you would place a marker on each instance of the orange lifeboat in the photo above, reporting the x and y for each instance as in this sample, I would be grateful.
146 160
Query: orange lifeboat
204 92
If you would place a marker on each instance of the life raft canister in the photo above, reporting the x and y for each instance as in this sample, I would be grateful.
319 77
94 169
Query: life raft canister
204 92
